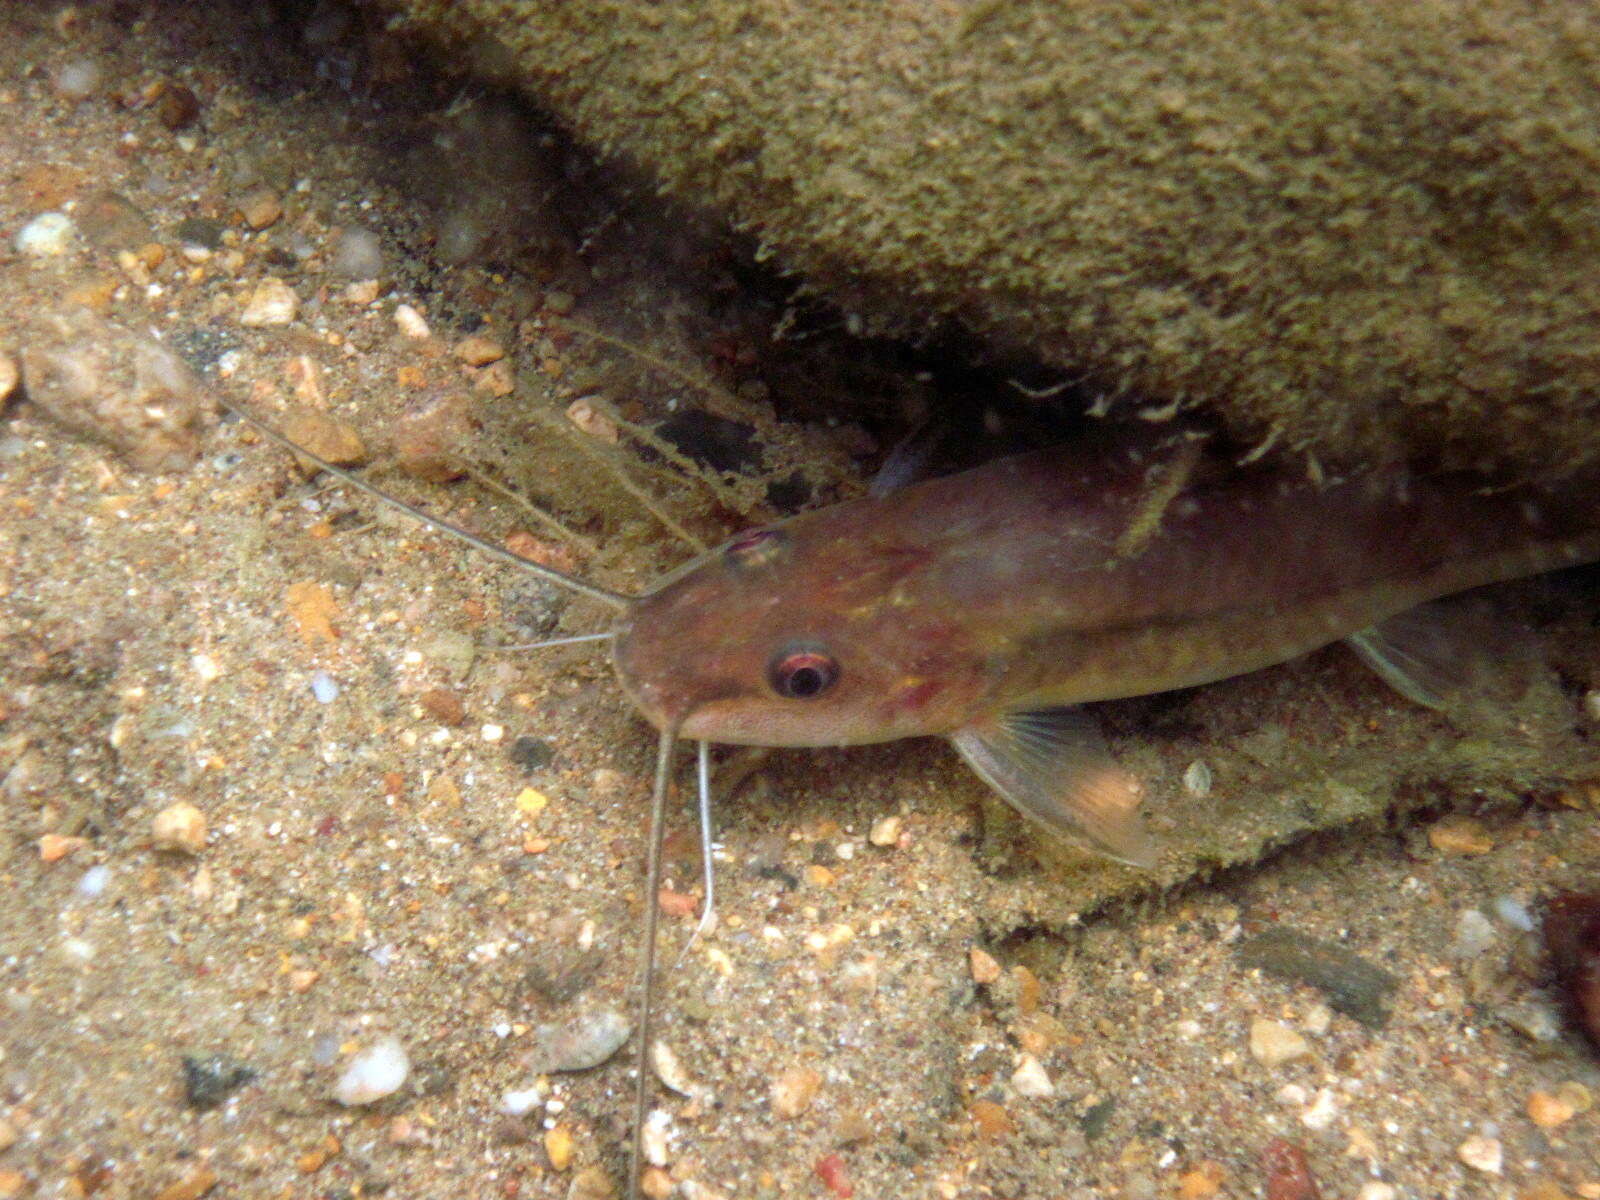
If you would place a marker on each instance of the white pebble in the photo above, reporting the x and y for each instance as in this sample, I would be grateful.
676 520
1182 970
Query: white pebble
1197 779
375 1072
1377 1191
45 236
1322 1112
520 1103
653 1138
885 831
1514 913
1474 934
323 687
77 80
670 1070
273 302
357 254
411 323
92 883
1031 1080
1482 1154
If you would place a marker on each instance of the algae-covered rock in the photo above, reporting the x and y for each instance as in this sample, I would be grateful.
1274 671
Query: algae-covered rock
1346 226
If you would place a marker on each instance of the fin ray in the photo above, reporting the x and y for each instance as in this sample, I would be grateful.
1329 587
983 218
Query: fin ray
1053 766
1416 654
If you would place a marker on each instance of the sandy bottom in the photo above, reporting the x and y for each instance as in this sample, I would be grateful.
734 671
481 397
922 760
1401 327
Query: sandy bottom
402 832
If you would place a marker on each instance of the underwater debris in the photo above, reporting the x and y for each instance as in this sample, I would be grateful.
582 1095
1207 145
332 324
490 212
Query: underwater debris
1353 985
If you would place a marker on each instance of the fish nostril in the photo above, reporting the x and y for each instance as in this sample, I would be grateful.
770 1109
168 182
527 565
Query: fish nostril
754 547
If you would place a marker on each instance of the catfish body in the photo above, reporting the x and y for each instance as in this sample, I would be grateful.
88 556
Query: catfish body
978 606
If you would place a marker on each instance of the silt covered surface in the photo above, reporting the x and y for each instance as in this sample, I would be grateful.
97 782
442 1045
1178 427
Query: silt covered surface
1351 228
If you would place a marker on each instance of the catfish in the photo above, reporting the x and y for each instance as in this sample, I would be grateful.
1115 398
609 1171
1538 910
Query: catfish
988 607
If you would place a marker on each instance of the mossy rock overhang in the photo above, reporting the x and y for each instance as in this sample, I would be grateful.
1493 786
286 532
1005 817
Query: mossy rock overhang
1359 230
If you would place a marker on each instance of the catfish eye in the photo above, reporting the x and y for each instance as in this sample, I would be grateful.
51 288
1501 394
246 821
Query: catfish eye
802 674
754 547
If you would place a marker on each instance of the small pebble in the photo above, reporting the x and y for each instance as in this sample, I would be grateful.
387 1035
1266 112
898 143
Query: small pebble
478 351
9 375
180 827
576 1045
77 80
92 884
1474 934
1323 1112
323 687
1374 1190
587 416
177 107
194 1184
260 208
443 705
992 1120
1288 1173
47 235
377 1071
1031 1080
357 254
412 324
498 379
118 387
113 222
519 1102
670 1070
1482 1154
209 1079
325 436
1197 779
885 832
1548 1110
1273 1044
1536 1021
1461 836
1514 913
53 847
983 966
1203 1182
656 1183
653 1138
429 438
272 302
835 1176
361 293
200 233
558 1147
794 1090
592 1183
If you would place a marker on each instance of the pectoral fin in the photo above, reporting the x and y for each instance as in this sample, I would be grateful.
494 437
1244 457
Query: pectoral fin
1417 654
1052 765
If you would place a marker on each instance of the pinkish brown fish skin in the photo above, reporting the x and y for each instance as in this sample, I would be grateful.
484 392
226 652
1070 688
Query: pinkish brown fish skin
1017 586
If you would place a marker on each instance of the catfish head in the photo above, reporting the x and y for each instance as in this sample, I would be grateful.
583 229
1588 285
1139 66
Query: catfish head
807 633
